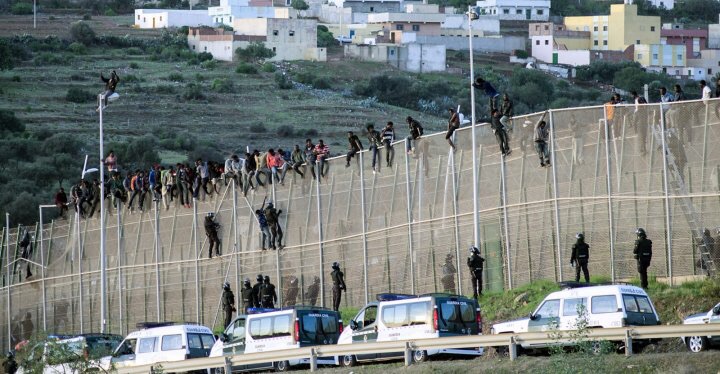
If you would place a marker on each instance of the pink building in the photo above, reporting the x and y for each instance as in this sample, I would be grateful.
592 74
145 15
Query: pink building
694 40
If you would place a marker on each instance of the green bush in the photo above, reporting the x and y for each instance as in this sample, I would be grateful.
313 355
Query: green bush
311 132
223 85
134 65
47 58
285 131
165 89
322 83
268 67
133 51
78 95
51 18
82 32
21 8
131 78
176 77
305 77
10 123
15 78
282 81
324 37
245 68
87 17
110 13
209 64
193 91
258 128
299 5
77 48
521 53
254 52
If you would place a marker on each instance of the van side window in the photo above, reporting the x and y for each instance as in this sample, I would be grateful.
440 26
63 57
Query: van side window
570 307
171 342
395 316
281 326
549 309
630 304
261 328
604 304
419 313
147 345
200 341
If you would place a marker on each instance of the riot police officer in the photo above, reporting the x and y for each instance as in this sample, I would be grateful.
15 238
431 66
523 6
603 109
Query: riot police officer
211 232
338 279
580 256
10 366
475 263
643 255
247 295
268 296
228 303
256 291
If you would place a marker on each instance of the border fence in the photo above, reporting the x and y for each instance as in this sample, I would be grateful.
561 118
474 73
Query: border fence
405 228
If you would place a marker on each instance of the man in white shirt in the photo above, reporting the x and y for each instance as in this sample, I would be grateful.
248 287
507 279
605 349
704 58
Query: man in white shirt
706 92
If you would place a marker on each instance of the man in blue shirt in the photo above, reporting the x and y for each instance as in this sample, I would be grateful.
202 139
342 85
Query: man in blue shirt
489 90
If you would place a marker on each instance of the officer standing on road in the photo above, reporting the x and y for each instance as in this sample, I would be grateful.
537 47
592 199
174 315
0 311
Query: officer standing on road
338 279
268 296
247 295
256 291
211 232
580 257
228 303
643 255
10 366
475 263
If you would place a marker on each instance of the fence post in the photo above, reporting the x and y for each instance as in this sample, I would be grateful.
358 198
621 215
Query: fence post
197 264
228 365
408 354
668 233
512 349
410 218
320 232
628 343
364 227
609 193
313 359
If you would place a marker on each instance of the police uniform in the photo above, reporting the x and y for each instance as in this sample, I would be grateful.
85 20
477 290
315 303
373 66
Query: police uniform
580 256
247 296
475 263
256 291
268 296
643 255
212 234
338 279
10 366
272 216
228 304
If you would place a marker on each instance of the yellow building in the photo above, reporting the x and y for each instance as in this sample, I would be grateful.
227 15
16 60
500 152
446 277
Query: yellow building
622 28
661 55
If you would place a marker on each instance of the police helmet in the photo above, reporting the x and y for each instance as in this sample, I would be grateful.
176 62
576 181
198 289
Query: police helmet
640 232
580 236
267 279
474 249
246 281
259 278
226 285
336 265
210 214
9 355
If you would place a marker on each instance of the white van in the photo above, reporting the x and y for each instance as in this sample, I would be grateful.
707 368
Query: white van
265 330
163 342
605 306
409 317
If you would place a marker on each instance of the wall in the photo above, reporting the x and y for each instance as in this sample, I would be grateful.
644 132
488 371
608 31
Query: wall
456 24
626 27
516 10
663 55
573 57
412 57
373 6
714 36
542 47
505 44
171 18
423 58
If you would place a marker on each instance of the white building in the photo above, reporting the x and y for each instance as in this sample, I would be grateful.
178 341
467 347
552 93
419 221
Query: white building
515 10
163 18
229 10
457 25
290 39
414 57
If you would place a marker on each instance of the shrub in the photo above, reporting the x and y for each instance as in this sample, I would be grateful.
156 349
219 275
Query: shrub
134 65
77 48
199 77
77 77
133 51
223 85
193 91
131 78
87 17
258 128
8 122
311 132
305 77
322 83
176 77
209 64
521 53
15 78
268 67
282 81
47 58
165 89
254 52
285 131
82 32
299 5
21 8
324 37
110 13
78 95
245 68
51 18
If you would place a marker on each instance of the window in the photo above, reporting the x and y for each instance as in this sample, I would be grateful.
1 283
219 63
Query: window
595 42
193 48
604 42
537 42
399 27
630 304
537 27
292 33
638 41
144 19
237 331
709 71
160 18
275 33
547 27
679 57
644 304
230 19
604 304
655 56
273 49
595 28
416 27
518 11
261 328
395 316
370 316
317 322
419 314
126 348
652 28
547 42
639 56
138 17
205 48
200 341
171 342
281 326
372 9
540 12
392 52
506 11
604 28
451 313
147 345
550 308
570 307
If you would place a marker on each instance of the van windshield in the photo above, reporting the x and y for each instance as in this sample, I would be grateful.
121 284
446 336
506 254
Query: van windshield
457 316
99 346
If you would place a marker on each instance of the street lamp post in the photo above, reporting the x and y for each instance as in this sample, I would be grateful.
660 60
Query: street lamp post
472 15
43 266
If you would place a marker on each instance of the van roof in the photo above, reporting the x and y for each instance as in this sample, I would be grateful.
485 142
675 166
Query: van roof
387 297
290 310
597 291
171 329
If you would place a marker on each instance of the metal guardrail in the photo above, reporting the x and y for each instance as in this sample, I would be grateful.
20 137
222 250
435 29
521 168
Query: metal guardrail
626 334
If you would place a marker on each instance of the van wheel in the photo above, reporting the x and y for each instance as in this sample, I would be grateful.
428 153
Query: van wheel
282 366
420 356
697 344
348 361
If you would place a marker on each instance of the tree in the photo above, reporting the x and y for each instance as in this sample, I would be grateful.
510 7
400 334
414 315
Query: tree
324 37
82 32
255 52
299 5
7 61
10 123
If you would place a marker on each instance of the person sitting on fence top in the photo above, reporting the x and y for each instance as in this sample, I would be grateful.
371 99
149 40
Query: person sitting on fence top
489 90
61 201
416 131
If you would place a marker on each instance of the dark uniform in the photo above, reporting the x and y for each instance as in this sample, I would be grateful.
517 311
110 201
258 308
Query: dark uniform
448 274
268 296
313 292
579 258
211 231
338 279
272 217
643 255
10 366
228 304
27 251
247 296
475 263
256 291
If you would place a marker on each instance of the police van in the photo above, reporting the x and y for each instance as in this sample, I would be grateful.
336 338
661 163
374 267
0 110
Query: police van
265 330
162 342
395 317
603 306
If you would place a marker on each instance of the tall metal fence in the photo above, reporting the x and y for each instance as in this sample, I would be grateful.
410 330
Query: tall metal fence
403 229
